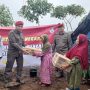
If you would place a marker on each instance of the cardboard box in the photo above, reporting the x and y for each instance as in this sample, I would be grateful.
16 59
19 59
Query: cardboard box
30 49
60 60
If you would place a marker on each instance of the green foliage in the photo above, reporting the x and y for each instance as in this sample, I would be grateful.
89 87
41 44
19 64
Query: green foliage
35 9
75 10
72 11
5 16
59 12
62 12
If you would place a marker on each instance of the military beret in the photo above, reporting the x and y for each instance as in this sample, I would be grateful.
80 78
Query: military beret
17 23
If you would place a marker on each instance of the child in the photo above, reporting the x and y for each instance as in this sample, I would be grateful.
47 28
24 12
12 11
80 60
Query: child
46 61
79 61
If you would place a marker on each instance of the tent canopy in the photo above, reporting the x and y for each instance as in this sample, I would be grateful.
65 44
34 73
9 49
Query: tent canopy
83 28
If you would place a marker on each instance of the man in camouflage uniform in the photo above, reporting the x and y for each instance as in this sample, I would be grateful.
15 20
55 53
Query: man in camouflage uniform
15 52
62 42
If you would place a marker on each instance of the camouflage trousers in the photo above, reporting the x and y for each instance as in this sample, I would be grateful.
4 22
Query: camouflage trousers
9 65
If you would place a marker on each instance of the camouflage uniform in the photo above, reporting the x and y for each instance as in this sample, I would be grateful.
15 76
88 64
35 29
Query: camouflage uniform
15 44
62 43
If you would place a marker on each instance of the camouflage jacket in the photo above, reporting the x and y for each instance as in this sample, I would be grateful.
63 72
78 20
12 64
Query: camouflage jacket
15 41
62 42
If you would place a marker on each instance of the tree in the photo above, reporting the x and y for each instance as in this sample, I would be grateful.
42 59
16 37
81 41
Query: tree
35 9
74 11
71 11
60 12
5 16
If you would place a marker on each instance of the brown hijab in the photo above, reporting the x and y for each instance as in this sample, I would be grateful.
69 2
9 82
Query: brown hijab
46 44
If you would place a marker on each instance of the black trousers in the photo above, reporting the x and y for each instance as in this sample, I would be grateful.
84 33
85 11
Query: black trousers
10 62
60 72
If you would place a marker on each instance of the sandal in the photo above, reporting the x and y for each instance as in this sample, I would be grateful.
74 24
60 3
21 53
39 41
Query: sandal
45 85
84 82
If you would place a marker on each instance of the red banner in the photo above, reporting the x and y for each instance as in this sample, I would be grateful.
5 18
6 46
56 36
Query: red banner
32 34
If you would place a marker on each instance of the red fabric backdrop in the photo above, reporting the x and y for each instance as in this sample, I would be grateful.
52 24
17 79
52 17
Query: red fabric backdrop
32 34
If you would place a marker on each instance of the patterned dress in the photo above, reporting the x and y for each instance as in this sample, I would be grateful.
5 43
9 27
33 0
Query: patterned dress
46 66
74 77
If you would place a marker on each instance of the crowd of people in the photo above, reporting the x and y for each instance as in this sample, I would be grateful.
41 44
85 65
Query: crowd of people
78 54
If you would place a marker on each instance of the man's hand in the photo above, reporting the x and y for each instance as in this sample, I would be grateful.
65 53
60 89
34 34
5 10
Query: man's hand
25 51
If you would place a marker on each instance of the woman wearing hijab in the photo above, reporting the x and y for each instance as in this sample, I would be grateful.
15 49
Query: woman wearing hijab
79 61
86 73
46 61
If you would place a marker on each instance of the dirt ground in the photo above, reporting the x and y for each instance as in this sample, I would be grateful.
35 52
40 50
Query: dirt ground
32 84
